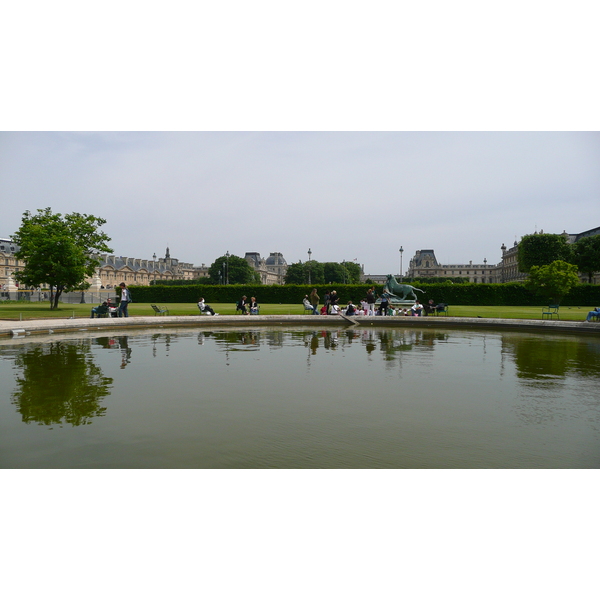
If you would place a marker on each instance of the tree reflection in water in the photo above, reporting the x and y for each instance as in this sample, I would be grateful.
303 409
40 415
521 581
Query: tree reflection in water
546 358
60 383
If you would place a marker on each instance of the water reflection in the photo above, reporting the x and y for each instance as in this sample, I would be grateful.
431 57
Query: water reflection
334 398
391 343
59 383
547 359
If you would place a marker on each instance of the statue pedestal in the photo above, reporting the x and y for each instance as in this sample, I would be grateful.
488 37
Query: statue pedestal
96 282
10 285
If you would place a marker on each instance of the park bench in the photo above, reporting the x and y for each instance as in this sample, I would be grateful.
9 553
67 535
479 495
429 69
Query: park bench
160 310
550 312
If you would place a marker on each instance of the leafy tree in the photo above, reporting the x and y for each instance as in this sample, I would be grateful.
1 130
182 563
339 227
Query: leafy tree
586 255
335 273
299 273
295 274
232 269
320 273
541 249
58 250
353 270
554 280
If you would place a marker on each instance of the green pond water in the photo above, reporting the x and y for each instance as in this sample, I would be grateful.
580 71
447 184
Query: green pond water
282 398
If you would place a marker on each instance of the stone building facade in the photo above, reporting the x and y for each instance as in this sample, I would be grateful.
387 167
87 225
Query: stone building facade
424 264
112 270
139 271
271 270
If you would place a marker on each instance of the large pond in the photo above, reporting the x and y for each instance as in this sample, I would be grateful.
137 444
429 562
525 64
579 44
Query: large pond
281 398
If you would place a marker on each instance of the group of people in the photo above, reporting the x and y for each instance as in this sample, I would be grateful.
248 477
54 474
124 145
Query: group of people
331 304
366 307
247 306
108 307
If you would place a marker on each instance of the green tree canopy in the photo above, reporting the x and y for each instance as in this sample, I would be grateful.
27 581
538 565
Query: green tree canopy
322 273
553 281
354 271
539 249
59 251
586 255
300 273
232 269
335 273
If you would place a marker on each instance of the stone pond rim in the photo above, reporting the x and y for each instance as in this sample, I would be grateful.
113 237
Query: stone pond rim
49 326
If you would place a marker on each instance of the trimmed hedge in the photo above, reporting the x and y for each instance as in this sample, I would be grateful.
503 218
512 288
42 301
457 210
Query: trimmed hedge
466 294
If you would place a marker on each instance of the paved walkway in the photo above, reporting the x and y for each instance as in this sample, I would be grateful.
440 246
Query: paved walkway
46 326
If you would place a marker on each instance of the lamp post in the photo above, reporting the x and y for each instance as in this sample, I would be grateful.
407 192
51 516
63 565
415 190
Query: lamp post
227 255
401 251
309 255
154 266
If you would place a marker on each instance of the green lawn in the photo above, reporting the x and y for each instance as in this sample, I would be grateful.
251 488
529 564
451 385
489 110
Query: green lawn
35 310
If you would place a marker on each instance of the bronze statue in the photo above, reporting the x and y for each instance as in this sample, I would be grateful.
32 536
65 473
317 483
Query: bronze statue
398 292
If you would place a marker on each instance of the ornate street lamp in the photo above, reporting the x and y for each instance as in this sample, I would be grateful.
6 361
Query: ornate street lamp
227 255
154 266
309 255
401 251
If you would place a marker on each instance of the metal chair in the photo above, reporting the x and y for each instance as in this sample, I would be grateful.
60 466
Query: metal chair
550 312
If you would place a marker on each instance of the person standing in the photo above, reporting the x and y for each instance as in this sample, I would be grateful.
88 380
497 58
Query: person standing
371 300
385 302
333 300
125 300
314 300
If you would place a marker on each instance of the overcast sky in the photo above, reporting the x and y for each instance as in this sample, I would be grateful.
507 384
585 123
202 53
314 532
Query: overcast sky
344 195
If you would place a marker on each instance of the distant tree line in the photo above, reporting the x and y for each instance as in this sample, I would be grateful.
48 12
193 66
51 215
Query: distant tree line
313 272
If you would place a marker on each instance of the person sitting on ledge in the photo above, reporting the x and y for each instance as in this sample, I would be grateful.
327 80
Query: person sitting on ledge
593 313
417 309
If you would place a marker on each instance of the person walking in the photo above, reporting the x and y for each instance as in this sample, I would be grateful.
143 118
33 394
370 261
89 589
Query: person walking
125 300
